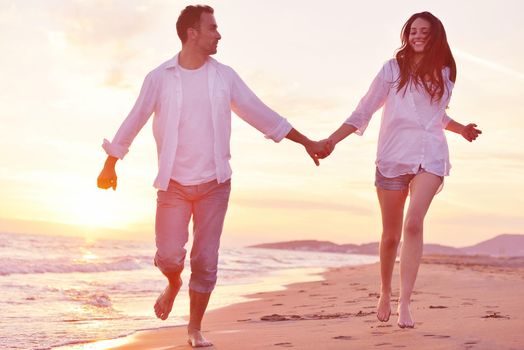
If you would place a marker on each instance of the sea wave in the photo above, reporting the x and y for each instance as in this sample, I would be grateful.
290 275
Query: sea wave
96 299
22 266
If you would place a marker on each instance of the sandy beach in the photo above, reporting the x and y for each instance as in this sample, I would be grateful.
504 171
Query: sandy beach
459 303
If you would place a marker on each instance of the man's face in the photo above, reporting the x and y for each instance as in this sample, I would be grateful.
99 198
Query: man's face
207 35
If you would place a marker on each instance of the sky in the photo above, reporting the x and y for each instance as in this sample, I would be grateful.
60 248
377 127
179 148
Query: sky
71 71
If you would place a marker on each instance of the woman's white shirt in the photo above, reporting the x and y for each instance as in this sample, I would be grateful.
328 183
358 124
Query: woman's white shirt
412 127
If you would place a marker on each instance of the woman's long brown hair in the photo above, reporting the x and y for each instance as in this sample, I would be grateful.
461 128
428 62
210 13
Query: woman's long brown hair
436 56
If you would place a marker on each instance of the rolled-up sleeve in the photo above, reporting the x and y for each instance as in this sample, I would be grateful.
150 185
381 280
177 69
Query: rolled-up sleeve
445 120
136 119
251 109
371 102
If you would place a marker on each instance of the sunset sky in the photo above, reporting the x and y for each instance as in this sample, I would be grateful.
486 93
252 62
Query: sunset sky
71 71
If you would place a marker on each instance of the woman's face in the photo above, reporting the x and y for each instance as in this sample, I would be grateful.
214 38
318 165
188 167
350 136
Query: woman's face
419 35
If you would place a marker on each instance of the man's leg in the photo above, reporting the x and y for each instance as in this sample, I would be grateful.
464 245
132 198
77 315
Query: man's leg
208 220
171 228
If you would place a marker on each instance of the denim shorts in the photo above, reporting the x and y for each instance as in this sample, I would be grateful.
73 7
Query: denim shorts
398 183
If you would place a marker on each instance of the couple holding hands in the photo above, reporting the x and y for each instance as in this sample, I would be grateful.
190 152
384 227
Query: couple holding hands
191 97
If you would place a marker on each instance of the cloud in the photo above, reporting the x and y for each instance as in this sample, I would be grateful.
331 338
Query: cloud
97 23
489 64
107 29
290 98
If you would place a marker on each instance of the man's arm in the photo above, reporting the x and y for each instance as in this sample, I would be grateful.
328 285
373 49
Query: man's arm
107 177
251 109
118 148
316 150
256 113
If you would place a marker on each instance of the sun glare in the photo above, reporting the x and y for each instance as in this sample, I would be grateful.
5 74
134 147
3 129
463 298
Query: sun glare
92 209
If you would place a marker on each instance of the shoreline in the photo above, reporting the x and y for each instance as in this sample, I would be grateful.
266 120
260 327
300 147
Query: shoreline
459 302
274 282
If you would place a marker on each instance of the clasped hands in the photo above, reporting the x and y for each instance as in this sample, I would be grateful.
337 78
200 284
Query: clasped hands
319 149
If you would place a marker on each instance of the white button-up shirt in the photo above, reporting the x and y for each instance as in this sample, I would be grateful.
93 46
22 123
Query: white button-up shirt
412 127
162 95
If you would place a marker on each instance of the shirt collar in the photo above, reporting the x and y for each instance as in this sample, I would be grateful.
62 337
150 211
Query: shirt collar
173 63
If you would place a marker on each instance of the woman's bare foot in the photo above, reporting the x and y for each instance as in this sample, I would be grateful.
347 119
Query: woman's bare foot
384 307
164 303
196 339
404 316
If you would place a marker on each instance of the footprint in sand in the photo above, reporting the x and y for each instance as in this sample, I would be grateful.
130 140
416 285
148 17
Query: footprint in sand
437 336
495 314
361 313
285 344
343 337
471 343
378 333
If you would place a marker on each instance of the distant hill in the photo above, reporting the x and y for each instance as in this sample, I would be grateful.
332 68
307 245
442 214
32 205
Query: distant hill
502 245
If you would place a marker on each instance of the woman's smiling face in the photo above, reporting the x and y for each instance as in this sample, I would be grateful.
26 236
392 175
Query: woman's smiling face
419 35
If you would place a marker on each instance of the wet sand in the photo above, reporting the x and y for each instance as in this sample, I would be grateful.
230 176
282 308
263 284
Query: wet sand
459 302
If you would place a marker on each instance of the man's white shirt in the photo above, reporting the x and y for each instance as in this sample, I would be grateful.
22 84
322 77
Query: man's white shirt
162 94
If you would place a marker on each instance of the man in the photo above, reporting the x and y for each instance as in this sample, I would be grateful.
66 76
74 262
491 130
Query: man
191 97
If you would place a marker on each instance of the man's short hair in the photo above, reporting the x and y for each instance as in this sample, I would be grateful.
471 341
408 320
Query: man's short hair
190 18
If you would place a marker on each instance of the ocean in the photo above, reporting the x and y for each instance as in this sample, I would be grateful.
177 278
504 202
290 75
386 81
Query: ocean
57 291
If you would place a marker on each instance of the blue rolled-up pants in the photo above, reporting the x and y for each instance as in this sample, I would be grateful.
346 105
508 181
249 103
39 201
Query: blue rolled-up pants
207 204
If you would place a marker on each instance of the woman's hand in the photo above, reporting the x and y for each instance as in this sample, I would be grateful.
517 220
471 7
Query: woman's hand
470 132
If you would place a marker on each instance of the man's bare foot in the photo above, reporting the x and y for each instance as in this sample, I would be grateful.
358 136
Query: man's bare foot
384 307
196 339
164 303
404 316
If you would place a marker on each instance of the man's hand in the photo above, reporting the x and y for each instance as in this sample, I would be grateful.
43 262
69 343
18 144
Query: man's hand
470 132
329 147
318 150
107 177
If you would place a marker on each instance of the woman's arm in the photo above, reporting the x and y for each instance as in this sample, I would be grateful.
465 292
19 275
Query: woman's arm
469 132
341 133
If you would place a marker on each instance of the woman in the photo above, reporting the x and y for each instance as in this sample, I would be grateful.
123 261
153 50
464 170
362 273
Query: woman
412 158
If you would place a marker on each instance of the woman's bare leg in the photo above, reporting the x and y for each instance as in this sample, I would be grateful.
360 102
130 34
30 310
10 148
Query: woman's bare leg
392 209
423 188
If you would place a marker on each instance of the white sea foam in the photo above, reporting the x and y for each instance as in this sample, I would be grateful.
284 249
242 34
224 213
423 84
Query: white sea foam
22 266
63 290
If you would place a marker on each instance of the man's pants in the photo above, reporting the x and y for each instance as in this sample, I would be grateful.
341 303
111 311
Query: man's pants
208 205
